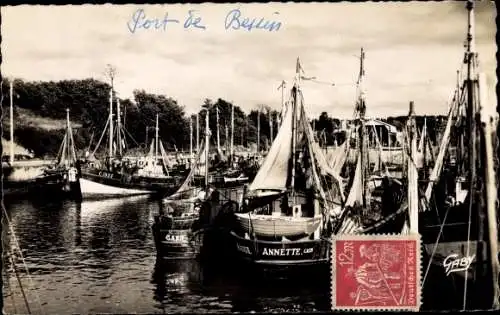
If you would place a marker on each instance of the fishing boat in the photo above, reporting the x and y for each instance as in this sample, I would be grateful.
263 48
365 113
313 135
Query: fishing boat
284 217
178 227
62 177
116 176
374 195
459 218
20 172
225 171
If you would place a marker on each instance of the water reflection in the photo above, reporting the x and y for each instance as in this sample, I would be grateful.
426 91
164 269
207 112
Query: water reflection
187 286
99 257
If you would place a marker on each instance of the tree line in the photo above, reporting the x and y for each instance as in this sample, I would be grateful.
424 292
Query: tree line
88 102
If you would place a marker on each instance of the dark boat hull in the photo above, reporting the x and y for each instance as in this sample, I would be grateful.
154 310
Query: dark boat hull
446 250
282 255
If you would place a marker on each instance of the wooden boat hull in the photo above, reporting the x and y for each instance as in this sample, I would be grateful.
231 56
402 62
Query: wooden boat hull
269 226
177 238
271 254
456 265
107 185
43 187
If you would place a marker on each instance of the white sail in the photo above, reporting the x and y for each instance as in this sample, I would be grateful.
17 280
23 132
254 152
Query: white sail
424 151
355 196
273 173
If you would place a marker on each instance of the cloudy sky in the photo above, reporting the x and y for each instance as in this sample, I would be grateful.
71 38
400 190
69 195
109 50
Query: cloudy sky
413 51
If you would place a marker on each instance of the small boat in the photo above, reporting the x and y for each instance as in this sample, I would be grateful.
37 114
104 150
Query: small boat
178 227
119 177
241 179
61 179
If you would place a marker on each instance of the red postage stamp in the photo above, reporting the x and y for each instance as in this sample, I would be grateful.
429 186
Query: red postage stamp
376 272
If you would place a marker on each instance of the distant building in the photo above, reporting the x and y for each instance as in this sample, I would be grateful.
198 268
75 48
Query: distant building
386 133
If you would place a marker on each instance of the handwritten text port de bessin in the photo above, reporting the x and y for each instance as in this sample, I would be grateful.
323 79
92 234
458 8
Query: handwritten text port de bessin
234 20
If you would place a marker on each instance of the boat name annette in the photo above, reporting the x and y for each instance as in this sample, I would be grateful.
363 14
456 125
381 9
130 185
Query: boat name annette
286 251
453 264
278 251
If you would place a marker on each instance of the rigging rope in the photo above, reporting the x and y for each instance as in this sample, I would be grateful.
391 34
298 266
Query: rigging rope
16 243
20 284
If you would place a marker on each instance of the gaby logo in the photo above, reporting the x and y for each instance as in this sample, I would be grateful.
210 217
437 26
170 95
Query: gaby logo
453 264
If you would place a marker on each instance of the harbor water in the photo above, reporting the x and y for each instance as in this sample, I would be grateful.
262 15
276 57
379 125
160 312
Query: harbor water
99 257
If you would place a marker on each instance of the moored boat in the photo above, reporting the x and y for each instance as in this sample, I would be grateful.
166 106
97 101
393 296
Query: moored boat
119 177
178 229
459 218
283 219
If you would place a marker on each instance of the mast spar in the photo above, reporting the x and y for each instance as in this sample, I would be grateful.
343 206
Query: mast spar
218 133
232 130
119 127
11 121
258 129
207 144
111 123
197 133
156 139
412 173
190 139
294 121
361 109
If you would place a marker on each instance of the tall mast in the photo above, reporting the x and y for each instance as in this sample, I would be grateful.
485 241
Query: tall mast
207 144
361 109
294 122
111 123
68 135
471 134
424 149
190 138
282 87
119 126
156 139
271 126
232 130
258 129
110 72
11 121
218 134
197 133
412 173
469 58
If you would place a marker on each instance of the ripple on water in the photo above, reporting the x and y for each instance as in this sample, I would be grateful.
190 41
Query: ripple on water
101 259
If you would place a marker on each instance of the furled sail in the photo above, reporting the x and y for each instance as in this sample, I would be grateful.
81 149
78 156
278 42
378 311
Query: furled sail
322 163
186 186
438 166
